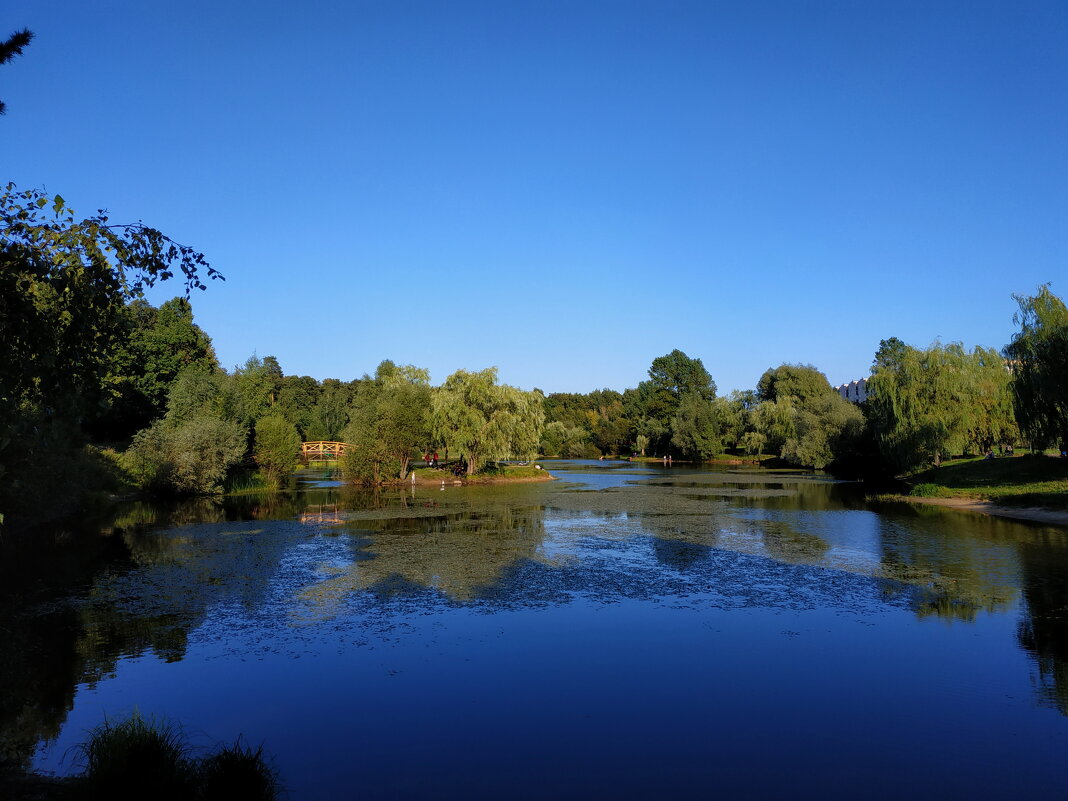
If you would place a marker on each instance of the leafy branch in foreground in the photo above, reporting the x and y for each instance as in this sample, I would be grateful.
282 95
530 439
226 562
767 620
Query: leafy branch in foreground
11 47
137 256
64 286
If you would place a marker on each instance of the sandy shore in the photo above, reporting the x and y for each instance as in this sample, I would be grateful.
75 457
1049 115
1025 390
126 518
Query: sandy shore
1054 517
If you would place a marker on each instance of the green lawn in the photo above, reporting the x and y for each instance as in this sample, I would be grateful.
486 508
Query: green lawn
1012 481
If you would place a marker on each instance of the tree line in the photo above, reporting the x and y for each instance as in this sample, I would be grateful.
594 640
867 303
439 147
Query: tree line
89 360
923 405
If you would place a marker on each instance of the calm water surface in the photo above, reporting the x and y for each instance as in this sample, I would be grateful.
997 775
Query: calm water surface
622 632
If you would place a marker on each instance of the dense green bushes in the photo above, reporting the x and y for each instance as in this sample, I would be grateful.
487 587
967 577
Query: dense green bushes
277 447
190 457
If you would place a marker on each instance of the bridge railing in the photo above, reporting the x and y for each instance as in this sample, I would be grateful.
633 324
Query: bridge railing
322 451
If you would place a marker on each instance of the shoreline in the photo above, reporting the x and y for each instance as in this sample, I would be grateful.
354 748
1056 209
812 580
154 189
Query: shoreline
455 481
1035 514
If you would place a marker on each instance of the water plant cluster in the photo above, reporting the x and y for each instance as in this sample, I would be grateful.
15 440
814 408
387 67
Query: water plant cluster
138 758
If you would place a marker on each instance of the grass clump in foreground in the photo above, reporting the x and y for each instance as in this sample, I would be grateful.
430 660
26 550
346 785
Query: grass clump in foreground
1032 480
238 772
139 759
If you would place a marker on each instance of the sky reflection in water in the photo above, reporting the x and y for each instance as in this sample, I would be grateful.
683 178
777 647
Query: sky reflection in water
624 631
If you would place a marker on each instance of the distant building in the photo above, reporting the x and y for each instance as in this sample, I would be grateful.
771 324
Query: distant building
854 391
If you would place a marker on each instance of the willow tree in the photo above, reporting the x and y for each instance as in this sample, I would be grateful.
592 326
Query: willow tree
928 404
1039 358
486 421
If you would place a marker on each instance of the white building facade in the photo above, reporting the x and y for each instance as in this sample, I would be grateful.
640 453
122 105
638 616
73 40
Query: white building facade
854 391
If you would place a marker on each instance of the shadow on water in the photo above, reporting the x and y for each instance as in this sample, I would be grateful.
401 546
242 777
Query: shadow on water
75 605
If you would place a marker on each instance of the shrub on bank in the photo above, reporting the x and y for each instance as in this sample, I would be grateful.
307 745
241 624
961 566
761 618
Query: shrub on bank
191 457
927 490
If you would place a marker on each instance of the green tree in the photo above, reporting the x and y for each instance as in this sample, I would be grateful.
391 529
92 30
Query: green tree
330 414
277 448
64 285
925 405
485 421
200 391
653 405
801 418
1039 359
558 439
776 422
802 382
824 429
297 398
256 386
155 346
390 423
697 427
752 442
677 375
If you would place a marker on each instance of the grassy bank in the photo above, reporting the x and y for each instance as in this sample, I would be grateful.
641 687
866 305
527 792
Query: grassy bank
1031 480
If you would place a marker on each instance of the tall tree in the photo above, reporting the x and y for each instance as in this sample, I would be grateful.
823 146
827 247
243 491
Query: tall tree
277 447
64 283
331 413
485 421
802 418
389 423
655 403
256 383
925 405
697 427
1039 360
297 398
155 346
802 382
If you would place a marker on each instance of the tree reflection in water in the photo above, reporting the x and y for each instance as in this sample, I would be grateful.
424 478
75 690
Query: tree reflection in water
1044 629
75 605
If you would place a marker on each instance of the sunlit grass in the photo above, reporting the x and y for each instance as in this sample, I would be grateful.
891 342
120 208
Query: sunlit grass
1031 480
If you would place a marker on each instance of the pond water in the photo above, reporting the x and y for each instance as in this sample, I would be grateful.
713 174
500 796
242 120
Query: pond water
623 632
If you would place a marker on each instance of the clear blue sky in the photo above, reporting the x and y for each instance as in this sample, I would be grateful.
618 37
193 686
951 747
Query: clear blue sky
566 190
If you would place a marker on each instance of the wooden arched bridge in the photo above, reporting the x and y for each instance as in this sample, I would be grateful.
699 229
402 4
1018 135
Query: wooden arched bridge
322 451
